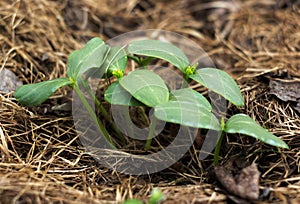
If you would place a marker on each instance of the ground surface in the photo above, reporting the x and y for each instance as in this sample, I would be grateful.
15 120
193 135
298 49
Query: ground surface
41 160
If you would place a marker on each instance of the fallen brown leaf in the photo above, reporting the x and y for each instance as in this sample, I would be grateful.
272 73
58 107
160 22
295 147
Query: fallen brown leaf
286 90
244 184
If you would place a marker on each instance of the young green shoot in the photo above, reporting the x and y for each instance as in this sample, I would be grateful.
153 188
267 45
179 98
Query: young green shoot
142 87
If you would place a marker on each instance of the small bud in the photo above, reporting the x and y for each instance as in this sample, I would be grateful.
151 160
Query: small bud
191 69
118 73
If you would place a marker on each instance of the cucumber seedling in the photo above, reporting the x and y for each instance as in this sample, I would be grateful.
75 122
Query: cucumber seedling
143 87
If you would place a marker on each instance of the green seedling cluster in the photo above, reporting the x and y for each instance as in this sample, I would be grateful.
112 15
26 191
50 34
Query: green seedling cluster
143 87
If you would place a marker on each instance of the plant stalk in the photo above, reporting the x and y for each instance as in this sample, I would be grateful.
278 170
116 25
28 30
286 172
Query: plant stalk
93 115
103 112
150 134
217 149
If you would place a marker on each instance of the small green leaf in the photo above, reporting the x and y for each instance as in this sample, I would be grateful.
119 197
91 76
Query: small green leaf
188 109
115 60
161 50
146 86
116 95
156 196
220 82
133 201
92 55
35 94
243 124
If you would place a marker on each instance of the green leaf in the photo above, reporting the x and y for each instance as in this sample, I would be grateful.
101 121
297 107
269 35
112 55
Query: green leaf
133 201
156 196
243 124
161 50
115 60
116 95
189 109
35 94
220 82
146 86
190 96
92 55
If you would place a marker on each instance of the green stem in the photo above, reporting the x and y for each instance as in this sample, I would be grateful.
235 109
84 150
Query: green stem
217 149
134 58
107 118
151 133
127 122
145 61
93 115
103 111
142 62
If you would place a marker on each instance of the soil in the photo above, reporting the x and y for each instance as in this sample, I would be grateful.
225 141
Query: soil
256 42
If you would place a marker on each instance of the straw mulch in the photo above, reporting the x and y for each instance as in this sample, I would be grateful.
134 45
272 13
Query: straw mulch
41 160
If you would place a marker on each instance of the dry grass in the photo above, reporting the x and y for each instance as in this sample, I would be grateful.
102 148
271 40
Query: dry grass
41 160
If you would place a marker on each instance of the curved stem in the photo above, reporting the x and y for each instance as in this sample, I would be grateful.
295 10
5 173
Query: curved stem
217 149
93 115
107 118
103 111
151 133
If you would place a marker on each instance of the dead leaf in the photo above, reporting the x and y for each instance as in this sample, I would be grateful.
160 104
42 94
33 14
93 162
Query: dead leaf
286 90
244 184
